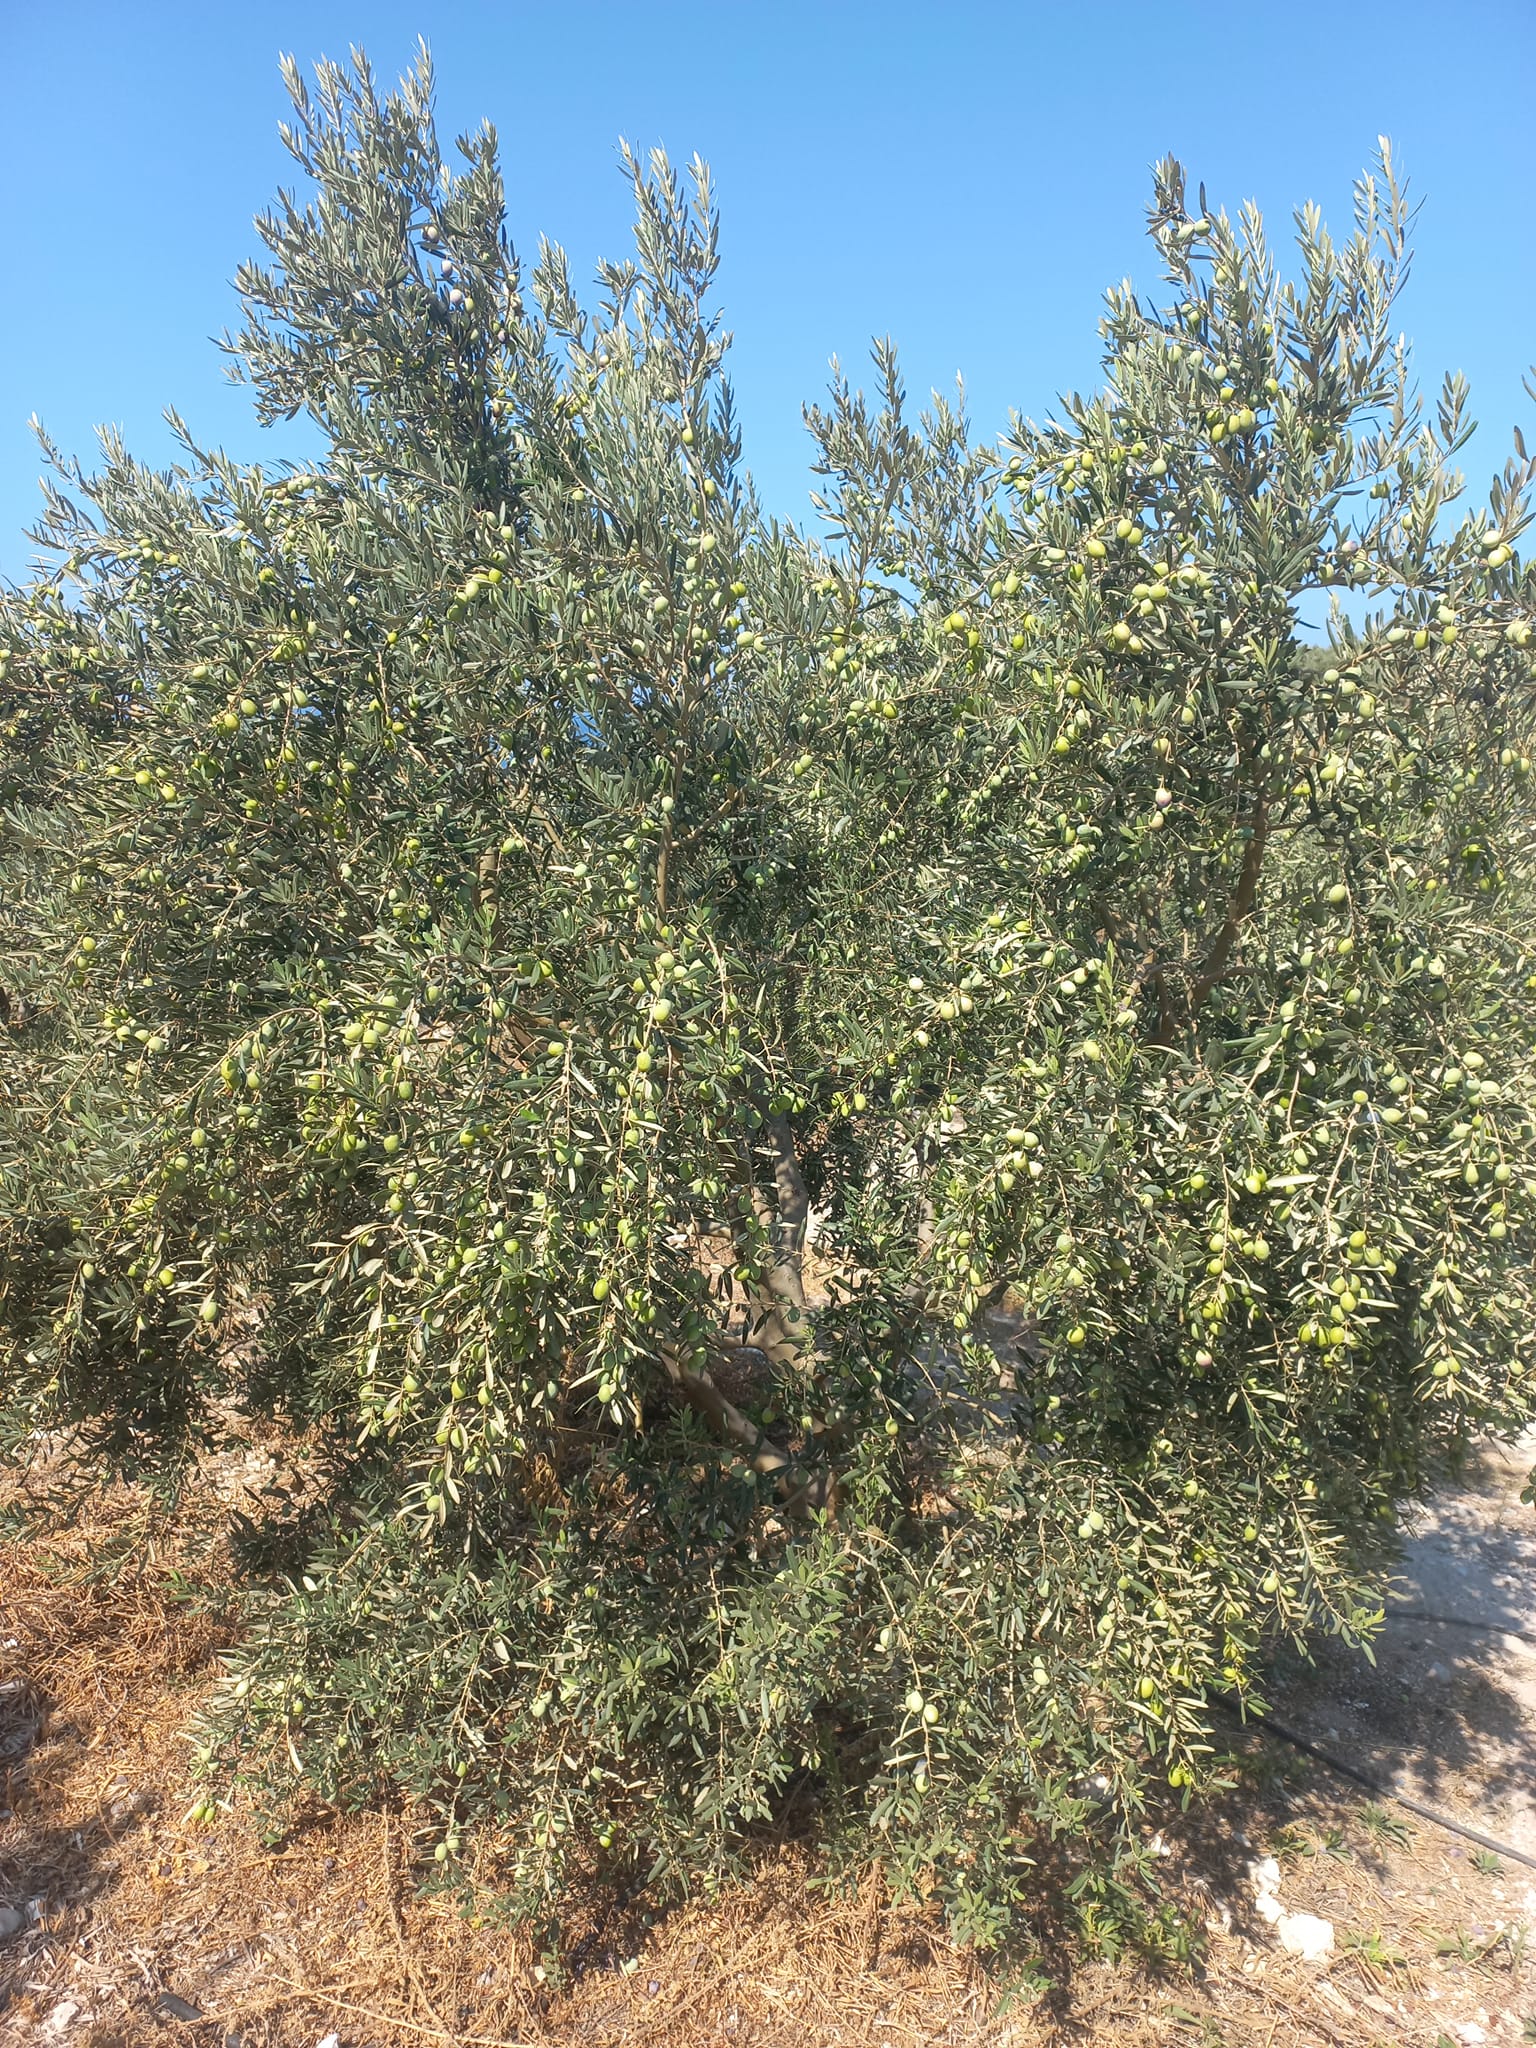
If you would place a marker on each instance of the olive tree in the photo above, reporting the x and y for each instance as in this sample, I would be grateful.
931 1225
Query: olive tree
871 1156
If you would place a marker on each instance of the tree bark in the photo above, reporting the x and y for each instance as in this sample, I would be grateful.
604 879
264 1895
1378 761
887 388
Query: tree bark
803 1491
1214 965
777 1322
787 1278
1238 911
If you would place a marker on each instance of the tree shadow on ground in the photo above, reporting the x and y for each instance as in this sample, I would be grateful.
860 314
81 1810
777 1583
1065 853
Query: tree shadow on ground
108 1675
1442 1706
50 1869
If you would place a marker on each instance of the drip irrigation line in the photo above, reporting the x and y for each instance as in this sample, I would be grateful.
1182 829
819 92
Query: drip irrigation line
1266 1725
1492 1628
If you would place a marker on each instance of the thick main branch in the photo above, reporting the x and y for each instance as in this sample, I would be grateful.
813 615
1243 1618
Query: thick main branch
1239 910
802 1490
787 1276
778 1323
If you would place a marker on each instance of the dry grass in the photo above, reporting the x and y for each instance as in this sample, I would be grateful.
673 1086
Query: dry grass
142 1926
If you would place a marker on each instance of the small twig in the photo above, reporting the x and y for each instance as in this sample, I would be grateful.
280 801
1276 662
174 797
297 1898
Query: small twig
408 1964
872 1917
385 2019
764 1937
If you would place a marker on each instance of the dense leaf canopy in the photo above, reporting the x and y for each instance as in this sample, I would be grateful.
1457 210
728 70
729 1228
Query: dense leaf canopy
868 1155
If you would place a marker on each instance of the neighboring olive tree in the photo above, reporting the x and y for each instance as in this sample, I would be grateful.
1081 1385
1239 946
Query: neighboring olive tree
868 1160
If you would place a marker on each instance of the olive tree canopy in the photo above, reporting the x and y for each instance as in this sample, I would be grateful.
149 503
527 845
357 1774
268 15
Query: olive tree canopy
869 1155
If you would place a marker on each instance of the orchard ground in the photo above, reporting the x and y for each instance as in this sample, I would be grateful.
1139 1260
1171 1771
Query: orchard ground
139 1923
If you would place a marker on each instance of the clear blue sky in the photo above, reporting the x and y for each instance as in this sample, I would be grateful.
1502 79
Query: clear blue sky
966 176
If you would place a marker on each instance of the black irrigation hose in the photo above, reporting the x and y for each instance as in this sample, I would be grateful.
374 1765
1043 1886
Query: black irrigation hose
1268 1726
1492 1628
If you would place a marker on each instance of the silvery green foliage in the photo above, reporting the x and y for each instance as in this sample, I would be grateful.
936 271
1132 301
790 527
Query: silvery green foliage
479 906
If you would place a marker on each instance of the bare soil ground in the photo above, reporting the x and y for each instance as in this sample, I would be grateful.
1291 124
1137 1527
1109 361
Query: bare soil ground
1448 1711
123 1922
